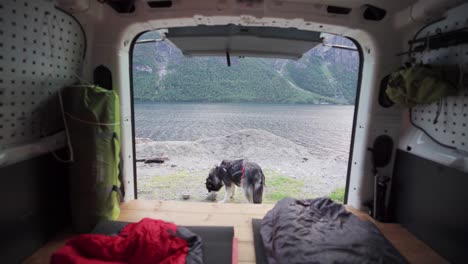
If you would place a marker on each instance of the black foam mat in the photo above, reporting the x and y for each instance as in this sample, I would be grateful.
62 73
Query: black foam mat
217 240
260 255
430 200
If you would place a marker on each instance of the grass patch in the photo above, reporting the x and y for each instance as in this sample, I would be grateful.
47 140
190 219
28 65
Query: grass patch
279 186
338 195
170 180
172 186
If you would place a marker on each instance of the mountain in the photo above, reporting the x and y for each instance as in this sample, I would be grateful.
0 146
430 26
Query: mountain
323 75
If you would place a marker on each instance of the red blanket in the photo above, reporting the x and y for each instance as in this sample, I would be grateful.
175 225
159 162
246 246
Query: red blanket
148 241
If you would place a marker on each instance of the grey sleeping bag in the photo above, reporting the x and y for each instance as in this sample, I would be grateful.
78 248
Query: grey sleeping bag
321 231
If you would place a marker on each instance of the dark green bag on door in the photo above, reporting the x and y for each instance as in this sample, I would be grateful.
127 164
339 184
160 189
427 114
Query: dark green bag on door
418 85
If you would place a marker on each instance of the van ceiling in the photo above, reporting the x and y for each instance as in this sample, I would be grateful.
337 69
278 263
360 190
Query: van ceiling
128 6
388 5
243 41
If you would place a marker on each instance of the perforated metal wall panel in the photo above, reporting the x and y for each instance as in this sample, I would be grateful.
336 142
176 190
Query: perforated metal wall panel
451 128
41 51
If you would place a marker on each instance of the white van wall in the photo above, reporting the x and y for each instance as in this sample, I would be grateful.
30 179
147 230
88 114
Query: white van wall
110 36
431 170
41 50
451 130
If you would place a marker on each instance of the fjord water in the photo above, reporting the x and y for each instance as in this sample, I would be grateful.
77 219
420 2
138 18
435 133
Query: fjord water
325 130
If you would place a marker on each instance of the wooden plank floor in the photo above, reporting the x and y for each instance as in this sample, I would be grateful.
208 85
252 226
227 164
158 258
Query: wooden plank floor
240 217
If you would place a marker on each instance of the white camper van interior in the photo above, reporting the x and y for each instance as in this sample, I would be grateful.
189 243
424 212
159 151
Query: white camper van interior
72 161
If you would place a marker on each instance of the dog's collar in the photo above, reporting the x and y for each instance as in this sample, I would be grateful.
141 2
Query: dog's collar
243 172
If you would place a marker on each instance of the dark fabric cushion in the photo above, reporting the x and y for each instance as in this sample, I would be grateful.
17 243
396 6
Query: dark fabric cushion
322 231
216 240
258 242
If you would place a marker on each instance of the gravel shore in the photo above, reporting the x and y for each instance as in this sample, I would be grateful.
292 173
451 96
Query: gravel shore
190 161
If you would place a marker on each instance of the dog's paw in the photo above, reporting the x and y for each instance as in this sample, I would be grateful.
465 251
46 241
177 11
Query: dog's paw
222 201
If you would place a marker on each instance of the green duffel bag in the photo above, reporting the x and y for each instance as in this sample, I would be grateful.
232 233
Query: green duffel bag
93 118
418 85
